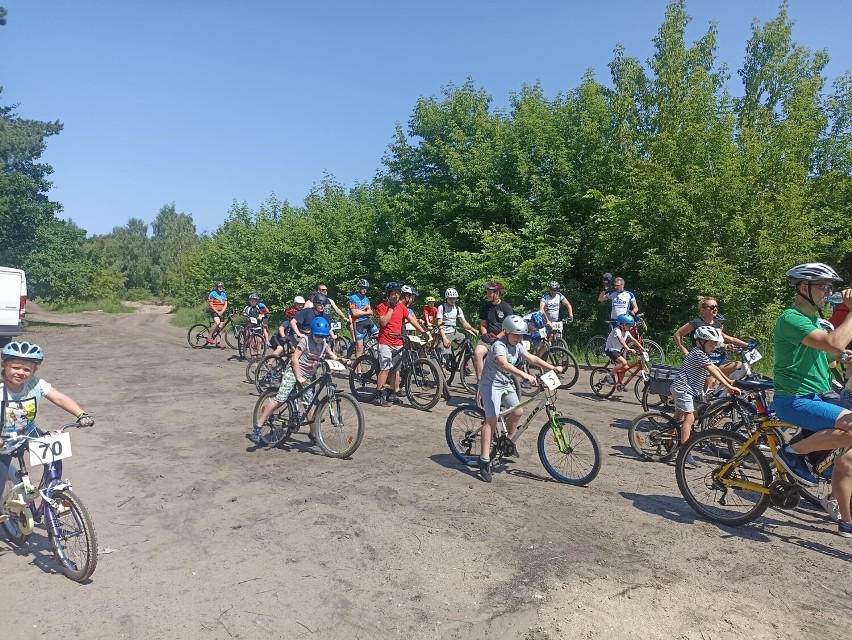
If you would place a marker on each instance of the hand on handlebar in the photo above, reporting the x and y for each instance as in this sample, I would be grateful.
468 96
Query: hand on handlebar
85 420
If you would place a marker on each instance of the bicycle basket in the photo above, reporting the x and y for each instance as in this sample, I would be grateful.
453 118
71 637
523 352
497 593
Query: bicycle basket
661 378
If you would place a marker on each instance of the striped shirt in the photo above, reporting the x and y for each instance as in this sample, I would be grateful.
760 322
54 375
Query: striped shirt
692 374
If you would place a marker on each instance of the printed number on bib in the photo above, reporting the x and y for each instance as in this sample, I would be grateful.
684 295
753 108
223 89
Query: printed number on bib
335 326
49 448
753 356
645 356
550 380
556 326
334 365
253 320
526 344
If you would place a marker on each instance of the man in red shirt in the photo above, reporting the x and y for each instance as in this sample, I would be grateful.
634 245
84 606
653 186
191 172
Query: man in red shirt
392 314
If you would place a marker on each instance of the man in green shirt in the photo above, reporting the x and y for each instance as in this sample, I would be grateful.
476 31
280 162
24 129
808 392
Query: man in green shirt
802 377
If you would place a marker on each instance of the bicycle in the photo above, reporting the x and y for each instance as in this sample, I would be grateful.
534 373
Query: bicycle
735 482
198 334
337 414
562 356
251 343
558 357
420 376
638 371
595 352
69 526
563 444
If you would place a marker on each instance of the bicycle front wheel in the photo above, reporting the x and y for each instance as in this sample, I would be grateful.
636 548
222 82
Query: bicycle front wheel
559 357
268 373
736 498
11 527
198 335
654 435
467 373
253 346
232 336
656 355
595 355
569 451
339 425
363 378
423 384
463 431
72 536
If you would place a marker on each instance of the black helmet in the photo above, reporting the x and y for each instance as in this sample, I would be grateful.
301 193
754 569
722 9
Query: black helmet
393 286
320 299
254 296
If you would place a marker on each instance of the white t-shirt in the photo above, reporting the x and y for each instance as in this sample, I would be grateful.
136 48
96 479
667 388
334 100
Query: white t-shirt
551 305
448 316
621 302
612 339
20 409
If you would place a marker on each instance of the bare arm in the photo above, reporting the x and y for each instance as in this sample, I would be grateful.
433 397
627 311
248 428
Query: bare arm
569 307
836 341
680 334
64 402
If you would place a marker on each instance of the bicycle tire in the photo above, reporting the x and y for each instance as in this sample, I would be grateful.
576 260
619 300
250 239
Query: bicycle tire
656 402
74 542
462 430
467 373
559 357
597 381
595 353
10 528
269 372
278 426
232 336
705 493
423 386
584 452
363 377
639 388
251 366
654 435
656 354
198 335
255 346
341 346
813 495
333 425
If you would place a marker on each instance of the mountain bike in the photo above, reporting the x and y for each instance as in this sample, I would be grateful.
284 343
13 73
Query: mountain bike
595 351
198 334
251 343
568 450
338 419
420 376
69 526
558 357
598 379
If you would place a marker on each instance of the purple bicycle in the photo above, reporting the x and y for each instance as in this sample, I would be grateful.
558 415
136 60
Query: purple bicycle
69 526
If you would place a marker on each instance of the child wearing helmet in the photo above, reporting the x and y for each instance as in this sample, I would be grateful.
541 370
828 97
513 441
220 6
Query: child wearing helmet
691 379
618 342
21 392
360 316
258 315
449 315
430 313
303 363
496 387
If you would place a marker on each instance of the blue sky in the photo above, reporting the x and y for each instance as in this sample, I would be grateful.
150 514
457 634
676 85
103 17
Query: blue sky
204 103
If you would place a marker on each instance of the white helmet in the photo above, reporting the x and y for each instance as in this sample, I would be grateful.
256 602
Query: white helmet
709 333
515 324
451 293
825 325
811 271
298 300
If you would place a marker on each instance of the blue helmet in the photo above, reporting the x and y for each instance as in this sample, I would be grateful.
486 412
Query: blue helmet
626 318
537 319
320 327
23 351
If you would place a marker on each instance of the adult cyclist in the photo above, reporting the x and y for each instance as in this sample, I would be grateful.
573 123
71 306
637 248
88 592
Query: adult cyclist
491 316
217 304
622 301
550 302
802 379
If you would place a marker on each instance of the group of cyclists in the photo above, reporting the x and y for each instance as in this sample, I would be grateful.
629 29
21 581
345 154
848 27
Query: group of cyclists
804 346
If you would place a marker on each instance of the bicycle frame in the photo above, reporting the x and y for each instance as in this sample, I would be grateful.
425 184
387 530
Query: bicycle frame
545 399
636 369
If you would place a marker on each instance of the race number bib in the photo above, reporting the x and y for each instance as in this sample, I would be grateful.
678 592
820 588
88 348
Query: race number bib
550 380
334 365
335 326
556 326
253 320
49 448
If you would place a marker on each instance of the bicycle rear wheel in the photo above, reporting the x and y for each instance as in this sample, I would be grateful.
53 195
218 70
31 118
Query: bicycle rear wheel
462 430
341 346
72 535
423 384
654 435
339 425
559 357
363 377
198 335
594 354
268 373
569 451
656 355
598 383
712 496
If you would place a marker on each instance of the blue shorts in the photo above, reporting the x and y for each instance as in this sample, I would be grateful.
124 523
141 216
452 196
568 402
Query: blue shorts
362 327
809 412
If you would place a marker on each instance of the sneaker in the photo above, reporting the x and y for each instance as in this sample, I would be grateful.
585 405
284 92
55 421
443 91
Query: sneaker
209 341
222 347
844 529
691 462
485 470
610 379
254 436
394 398
512 450
831 507
312 439
795 465
382 401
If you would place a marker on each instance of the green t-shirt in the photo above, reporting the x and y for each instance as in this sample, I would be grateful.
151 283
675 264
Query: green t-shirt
799 369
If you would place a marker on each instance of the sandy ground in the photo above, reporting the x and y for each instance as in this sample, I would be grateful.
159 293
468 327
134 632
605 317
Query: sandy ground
201 536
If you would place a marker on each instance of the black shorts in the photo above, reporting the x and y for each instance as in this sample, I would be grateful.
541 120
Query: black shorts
614 354
486 339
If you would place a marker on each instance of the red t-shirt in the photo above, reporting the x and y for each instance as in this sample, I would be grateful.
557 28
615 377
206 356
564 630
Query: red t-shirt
400 313
430 315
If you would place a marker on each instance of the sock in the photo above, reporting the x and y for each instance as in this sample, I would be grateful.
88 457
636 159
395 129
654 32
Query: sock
485 459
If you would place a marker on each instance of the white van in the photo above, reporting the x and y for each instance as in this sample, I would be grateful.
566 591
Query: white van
13 303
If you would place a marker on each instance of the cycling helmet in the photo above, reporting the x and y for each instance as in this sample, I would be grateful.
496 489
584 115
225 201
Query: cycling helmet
320 327
298 300
825 325
811 271
407 288
254 296
626 318
414 291
451 293
392 286
23 351
220 284
430 299
709 333
515 324
537 319
553 284
363 283
320 299
495 286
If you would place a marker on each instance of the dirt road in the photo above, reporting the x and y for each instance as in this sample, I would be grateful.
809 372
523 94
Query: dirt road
201 536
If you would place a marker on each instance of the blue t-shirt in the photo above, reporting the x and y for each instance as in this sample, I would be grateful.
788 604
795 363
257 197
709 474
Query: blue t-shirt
306 316
357 301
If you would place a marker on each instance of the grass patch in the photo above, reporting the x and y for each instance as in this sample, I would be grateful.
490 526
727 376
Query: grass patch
105 305
187 316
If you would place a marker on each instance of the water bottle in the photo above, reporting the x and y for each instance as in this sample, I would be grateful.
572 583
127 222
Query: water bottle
835 298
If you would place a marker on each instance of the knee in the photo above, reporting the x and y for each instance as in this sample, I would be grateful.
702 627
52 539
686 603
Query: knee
843 465
518 412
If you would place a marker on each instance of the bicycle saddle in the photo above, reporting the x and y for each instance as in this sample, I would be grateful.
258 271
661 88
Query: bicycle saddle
754 385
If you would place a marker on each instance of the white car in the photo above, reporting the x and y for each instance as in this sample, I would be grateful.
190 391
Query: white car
13 303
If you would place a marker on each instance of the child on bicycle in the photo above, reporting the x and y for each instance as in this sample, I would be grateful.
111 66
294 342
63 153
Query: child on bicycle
617 343
21 392
303 363
496 387
690 381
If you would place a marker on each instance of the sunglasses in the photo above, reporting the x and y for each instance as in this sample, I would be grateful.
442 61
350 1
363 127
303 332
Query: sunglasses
323 290
711 306
824 287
